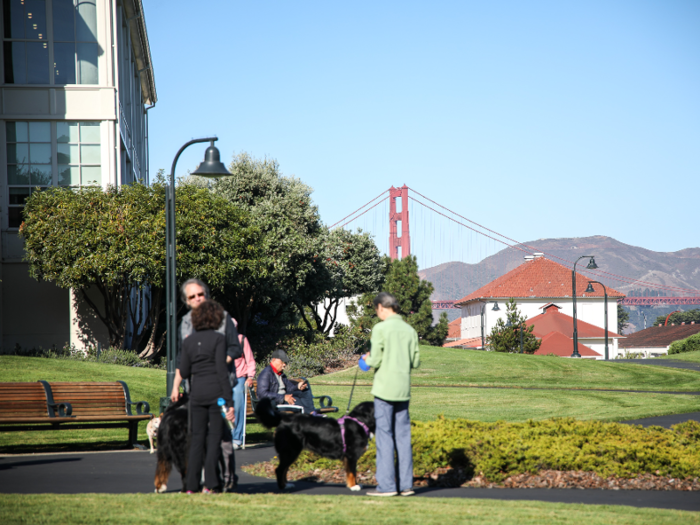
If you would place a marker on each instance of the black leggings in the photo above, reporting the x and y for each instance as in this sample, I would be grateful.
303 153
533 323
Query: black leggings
207 426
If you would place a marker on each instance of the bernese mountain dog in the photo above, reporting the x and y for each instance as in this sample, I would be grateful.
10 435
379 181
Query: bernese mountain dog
345 439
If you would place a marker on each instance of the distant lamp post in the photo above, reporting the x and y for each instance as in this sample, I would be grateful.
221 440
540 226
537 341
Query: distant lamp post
591 266
605 291
483 311
211 167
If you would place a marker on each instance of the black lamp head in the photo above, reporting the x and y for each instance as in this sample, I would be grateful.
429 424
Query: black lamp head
591 264
495 307
590 288
212 166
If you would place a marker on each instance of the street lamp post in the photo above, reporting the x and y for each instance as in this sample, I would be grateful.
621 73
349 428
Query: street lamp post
211 167
591 266
605 291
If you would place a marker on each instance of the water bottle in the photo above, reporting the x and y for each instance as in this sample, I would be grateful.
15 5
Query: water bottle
222 403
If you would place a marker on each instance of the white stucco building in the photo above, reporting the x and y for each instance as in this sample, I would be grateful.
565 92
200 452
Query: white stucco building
533 285
76 82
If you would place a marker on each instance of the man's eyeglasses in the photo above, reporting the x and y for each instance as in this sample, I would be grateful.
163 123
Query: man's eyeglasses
200 294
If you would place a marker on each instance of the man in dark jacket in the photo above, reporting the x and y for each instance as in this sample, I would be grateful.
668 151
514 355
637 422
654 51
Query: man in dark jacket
274 384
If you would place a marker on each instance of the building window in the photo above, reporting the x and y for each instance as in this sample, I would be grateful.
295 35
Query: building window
73 41
26 50
78 153
32 152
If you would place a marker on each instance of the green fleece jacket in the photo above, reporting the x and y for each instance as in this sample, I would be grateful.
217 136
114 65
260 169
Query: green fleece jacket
394 354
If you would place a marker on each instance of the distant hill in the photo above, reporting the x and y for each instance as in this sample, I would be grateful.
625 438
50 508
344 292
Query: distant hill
455 280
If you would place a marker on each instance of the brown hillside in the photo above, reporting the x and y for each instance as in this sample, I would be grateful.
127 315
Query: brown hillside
679 269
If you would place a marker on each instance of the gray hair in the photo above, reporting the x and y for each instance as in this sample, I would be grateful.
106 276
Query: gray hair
387 301
198 282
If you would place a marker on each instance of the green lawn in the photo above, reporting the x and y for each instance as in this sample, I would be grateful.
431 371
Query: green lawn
693 357
451 366
514 405
299 509
145 384
439 367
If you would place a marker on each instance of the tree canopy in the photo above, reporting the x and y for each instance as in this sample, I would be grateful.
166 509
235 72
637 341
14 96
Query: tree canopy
401 279
505 336
114 241
680 317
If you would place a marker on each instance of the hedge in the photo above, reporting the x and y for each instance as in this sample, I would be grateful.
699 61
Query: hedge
689 344
499 450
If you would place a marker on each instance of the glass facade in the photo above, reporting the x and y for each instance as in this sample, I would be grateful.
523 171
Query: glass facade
27 43
32 153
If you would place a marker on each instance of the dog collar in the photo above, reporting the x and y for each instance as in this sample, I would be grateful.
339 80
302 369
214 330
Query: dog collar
341 422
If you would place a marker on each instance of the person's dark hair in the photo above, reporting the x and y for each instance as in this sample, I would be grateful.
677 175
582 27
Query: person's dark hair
387 301
207 316
184 285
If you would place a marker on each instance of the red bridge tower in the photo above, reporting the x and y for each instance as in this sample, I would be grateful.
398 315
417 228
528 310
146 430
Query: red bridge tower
404 241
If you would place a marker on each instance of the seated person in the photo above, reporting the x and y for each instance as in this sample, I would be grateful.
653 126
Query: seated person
274 384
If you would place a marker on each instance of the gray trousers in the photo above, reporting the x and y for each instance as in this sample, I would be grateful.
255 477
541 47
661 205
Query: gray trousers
393 434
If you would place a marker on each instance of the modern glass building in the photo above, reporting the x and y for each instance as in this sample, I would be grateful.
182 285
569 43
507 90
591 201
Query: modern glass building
76 84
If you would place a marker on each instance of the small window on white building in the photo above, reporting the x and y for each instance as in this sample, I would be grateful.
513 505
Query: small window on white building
32 152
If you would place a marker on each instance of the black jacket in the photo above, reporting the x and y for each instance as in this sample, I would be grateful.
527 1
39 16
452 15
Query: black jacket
269 387
203 361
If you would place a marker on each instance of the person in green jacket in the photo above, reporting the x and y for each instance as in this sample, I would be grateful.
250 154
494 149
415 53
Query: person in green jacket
393 354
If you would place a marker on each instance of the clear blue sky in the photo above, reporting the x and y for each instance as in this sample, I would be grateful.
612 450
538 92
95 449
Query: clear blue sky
538 119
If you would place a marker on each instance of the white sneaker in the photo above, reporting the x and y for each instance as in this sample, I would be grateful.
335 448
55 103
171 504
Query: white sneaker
377 493
236 446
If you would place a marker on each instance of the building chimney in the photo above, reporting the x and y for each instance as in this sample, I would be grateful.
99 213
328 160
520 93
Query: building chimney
537 255
682 323
529 258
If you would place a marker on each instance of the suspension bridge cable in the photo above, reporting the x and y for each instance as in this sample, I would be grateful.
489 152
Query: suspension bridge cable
612 276
358 209
361 214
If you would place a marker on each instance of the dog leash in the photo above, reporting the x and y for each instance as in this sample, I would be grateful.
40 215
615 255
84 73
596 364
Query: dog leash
347 411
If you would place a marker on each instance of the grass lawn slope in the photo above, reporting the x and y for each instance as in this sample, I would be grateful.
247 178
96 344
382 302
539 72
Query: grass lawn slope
303 510
691 357
453 367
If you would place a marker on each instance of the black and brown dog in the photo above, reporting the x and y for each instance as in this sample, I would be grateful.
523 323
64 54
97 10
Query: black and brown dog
172 444
326 437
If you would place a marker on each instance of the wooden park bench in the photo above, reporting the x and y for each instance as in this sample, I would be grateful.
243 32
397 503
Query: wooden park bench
325 402
70 405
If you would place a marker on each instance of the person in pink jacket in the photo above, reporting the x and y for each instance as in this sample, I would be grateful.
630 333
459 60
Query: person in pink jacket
245 373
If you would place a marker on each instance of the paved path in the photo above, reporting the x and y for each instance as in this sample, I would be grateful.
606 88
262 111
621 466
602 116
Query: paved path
133 471
671 363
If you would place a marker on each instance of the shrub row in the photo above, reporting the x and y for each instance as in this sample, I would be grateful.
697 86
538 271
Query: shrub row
499 450
308 359
689 344
112 356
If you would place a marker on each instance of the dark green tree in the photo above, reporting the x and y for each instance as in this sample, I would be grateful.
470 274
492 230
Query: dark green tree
113 241
505 336
413 295
623 317
680 317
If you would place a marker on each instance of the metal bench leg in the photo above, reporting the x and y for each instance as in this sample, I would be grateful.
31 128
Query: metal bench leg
133 435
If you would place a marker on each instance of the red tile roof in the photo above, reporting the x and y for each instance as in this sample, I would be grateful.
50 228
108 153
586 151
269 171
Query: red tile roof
558 344
454 330
474 342
539 278
659 336
552 320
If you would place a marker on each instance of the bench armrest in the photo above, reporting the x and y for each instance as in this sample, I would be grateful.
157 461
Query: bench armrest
324 401
139 412
64 409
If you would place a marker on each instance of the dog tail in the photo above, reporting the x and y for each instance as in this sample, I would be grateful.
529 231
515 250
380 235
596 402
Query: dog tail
267 413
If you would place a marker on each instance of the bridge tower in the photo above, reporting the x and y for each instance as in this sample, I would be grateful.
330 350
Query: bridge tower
404 241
